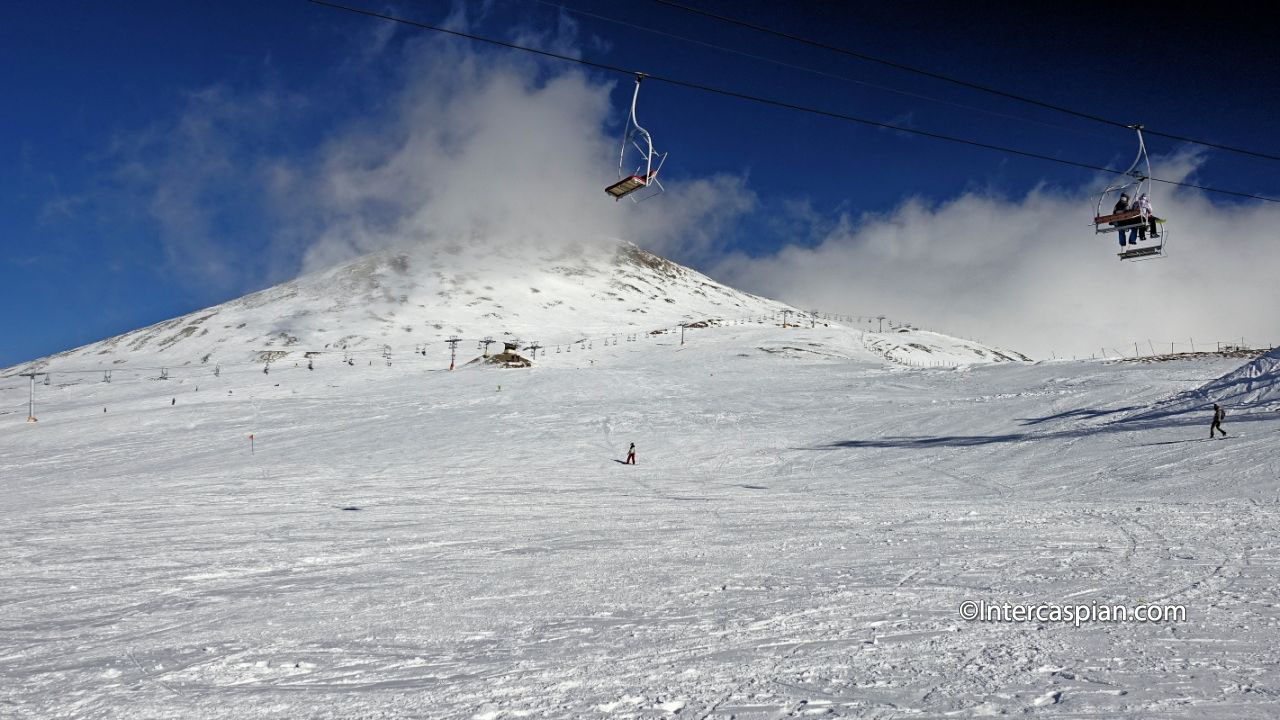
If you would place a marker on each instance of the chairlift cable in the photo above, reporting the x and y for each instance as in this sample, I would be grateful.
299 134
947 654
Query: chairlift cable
769 101
815 71
953 80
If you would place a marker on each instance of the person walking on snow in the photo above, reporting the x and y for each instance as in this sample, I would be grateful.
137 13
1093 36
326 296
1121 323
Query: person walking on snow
631 455
1218 415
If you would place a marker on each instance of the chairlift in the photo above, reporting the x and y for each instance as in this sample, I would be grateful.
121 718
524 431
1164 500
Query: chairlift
1134 221
640 183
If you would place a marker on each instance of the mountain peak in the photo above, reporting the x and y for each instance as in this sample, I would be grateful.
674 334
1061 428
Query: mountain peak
409 299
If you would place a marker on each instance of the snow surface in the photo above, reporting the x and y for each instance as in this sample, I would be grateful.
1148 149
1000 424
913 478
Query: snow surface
1253 387
804 521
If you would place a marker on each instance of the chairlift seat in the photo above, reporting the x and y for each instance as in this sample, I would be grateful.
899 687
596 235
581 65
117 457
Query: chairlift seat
628 185
1119 217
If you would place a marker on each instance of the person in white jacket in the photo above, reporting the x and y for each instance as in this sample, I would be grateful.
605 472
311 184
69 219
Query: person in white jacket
1144 205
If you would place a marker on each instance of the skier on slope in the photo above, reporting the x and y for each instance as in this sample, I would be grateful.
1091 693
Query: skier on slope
631 455
1218 416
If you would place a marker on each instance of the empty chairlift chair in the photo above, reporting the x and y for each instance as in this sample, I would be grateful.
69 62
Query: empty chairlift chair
641 182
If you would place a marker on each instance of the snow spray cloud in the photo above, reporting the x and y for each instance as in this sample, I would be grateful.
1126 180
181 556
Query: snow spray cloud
494 149
459 146
1029 273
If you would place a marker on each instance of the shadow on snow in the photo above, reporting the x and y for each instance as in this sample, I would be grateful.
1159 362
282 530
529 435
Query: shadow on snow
1086 413
932 441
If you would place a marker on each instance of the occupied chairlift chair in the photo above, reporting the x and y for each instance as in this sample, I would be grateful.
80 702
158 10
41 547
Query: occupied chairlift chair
642 183
1135 181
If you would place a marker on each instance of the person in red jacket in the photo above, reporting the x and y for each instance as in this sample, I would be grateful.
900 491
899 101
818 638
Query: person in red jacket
631 455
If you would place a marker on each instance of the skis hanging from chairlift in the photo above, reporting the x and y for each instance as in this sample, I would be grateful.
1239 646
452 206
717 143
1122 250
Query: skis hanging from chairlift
1134 221
641 181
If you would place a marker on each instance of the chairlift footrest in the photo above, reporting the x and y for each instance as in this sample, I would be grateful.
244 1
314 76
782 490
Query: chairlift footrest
1149 251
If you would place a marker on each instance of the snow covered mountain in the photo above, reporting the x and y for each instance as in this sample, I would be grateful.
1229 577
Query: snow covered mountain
413 299
801 532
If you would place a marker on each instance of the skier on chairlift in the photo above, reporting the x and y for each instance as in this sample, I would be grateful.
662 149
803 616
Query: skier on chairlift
1144 206
1123 205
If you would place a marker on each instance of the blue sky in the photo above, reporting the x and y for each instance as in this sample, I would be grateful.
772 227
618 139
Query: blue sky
134 134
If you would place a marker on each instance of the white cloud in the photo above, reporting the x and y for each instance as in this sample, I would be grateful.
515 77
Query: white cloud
1030 274
192 174
499 148
562 38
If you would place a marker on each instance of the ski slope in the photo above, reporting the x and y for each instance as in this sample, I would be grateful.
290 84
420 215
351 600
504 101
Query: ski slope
1254 386
804 521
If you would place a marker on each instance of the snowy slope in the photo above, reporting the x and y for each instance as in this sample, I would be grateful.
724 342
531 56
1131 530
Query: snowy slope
803 524
411 300
1252 387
